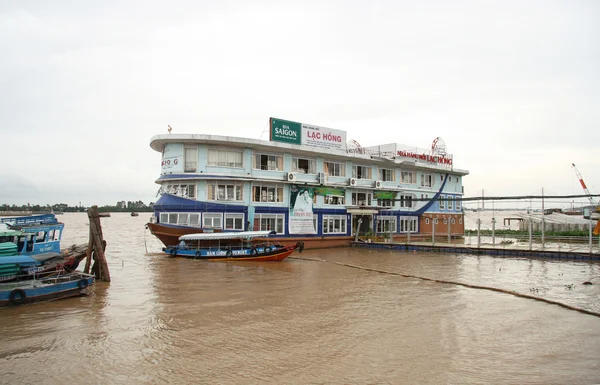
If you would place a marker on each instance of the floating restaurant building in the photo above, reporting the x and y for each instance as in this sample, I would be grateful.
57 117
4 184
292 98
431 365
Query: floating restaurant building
307 183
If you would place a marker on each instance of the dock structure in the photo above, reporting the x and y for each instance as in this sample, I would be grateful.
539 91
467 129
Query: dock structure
96 248
501 250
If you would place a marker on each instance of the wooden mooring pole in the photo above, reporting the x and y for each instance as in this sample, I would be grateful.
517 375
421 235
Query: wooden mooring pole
96 248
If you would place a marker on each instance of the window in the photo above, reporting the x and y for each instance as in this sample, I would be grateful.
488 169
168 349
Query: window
361 198
182 190
268 162
334 169
190 158
385 202
212 220
409 177
219 191
449 203
267 193
410 224
234 221
268 222
406 200
457 202
361 172
387 175
385 224
225 157
441 201
426 180
180 219
334 224
334 200
304 166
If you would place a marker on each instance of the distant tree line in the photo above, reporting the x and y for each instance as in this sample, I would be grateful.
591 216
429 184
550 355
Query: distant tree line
122 206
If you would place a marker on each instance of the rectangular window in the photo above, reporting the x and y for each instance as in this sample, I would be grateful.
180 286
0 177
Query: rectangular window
190 158
234 222
385 224
385 202
219 191
194 220
387 175
183 219
268 222
268 162
406 200
362 198
304 166
361 172
334 200
426 180
212 220
409 177
182 190
408 224
441 201
450 200
457 202
267 193
334 224
334 169
222 157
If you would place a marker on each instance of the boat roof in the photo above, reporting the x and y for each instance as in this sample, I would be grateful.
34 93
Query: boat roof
7 231
227 235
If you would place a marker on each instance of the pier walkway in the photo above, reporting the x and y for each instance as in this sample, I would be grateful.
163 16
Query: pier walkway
580 252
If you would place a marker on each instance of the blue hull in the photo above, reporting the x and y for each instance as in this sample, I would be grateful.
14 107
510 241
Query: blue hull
63 286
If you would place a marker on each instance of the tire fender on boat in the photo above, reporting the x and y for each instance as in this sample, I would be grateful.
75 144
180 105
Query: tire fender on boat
82 284
173 252
17 296
267 249
254 251
198 253
228 253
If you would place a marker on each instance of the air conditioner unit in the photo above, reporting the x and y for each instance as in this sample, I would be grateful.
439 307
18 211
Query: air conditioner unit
322 178
352 182
378 184
291 177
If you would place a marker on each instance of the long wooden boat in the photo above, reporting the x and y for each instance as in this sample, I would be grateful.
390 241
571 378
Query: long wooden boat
56 286
232 246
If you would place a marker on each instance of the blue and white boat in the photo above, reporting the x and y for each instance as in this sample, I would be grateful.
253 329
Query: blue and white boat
38 233
57 286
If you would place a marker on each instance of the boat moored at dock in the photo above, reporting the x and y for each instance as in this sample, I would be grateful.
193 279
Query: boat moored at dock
307 183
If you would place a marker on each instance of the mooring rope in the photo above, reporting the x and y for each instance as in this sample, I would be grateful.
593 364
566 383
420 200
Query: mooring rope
578 309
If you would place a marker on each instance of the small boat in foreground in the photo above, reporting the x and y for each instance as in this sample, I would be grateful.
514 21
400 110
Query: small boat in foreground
53 287
232 246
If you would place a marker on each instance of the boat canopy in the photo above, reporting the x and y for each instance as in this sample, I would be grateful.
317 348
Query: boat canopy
228 235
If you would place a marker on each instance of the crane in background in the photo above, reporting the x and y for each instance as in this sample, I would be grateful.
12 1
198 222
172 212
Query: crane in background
595 208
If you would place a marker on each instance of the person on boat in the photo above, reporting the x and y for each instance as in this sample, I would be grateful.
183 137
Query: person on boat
182 244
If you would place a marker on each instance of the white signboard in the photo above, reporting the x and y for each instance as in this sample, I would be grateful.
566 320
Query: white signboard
323 137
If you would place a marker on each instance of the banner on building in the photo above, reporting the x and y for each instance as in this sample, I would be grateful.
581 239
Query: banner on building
301 210
286 131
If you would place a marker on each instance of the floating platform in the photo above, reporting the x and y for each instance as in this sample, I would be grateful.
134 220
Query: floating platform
501 251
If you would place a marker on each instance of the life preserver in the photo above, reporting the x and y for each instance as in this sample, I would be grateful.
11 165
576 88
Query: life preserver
173 252
228 253
17 297
82 284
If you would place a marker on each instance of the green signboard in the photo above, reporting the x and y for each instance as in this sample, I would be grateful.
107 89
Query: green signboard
286 131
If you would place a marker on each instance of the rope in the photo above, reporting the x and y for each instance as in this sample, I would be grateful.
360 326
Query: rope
584 311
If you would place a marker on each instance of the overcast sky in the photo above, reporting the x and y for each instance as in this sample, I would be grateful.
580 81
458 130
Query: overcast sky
513 87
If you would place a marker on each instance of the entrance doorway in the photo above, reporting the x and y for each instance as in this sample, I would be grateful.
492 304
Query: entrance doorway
362 224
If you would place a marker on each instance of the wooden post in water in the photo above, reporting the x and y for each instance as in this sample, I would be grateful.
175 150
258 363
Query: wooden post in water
96 247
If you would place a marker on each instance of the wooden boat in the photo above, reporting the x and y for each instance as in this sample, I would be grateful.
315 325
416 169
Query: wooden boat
231 246
134 214
57 286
